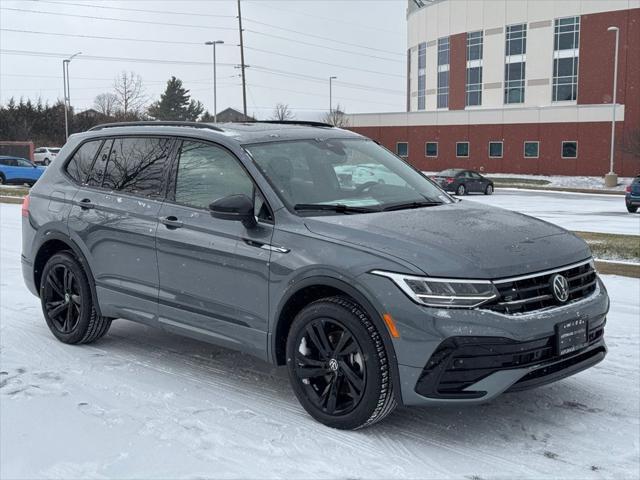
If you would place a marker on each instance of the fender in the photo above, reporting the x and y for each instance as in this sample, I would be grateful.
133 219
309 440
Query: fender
77 251
371 306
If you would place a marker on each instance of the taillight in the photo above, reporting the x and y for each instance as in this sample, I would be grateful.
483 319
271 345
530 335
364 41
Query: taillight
628 189
450 180
25 206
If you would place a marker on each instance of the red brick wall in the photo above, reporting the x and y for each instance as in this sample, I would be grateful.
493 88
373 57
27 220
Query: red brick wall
457 71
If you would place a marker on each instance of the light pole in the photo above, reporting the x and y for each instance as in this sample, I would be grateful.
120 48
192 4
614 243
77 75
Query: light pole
215 104
611 179
67 96
331 94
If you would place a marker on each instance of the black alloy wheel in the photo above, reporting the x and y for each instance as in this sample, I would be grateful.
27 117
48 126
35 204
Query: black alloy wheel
488 190
461 190
329 363
62 299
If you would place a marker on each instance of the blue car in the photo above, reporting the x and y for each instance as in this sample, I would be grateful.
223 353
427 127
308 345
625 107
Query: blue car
632 197
18 170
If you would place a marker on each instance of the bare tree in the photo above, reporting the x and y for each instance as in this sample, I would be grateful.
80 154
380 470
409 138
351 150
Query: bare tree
337 118
105 103
129 92
282 112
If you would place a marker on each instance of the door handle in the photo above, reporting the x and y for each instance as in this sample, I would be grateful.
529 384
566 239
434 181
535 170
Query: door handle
171 222
86 204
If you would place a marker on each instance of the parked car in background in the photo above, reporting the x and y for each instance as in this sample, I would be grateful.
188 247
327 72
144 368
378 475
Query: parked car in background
358 175
18 170
45 155
462 182
632 197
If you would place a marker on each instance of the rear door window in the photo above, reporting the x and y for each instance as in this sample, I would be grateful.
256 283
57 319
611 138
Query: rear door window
80 164
138 165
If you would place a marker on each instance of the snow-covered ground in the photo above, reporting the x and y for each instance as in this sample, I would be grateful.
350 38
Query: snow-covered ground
142 403
574 211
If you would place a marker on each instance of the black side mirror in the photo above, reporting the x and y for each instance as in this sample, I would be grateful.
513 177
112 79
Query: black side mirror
234 207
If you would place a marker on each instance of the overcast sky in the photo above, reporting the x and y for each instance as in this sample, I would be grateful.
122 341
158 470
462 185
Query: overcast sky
363 43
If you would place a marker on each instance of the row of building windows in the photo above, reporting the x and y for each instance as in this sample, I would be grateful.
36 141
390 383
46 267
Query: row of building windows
565 65
531 149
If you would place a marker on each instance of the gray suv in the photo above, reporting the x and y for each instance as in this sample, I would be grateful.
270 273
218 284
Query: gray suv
315 248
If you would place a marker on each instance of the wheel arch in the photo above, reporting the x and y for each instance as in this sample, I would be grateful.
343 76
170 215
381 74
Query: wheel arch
56 242
314 288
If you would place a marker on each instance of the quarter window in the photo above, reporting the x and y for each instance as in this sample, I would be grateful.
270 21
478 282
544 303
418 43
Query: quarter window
569 149
495 149
462 149
531 149
99 165
137 165
402 149
80 164
431 149
207 173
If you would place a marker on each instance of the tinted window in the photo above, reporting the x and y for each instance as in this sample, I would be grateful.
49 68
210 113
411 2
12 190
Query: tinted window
24 163
137 165
431 149
462 149
448 173
402 149
80 164
495 149
99 166
569 149
207 173
531 149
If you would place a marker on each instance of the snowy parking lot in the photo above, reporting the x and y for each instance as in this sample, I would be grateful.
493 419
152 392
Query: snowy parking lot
574 211
142 403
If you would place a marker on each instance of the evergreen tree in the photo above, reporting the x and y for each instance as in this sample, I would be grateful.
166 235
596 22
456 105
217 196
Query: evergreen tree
176 104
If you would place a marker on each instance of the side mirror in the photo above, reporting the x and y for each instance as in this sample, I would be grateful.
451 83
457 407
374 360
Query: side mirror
234 207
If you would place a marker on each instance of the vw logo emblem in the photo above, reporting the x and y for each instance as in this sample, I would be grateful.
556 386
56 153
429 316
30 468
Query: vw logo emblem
560 288
333 365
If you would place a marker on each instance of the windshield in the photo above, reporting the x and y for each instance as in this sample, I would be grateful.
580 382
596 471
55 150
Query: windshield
448 173
354 173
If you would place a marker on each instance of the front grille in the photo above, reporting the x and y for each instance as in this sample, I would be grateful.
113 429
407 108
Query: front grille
459 362
531 293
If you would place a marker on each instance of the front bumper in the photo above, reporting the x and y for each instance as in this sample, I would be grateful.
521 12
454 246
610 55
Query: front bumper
500 352
632 200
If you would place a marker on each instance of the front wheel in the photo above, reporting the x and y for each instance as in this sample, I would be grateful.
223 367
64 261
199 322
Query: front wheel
461 190
47 162
67 302
2 179
632 208
338 365
488 190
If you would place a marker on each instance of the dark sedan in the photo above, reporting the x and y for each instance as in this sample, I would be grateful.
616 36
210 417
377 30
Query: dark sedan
632 197
462 182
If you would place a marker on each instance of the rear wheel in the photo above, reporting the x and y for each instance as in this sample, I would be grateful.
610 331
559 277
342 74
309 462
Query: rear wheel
338 366
461 190
47 161
67 302
2 179
632 208
488 190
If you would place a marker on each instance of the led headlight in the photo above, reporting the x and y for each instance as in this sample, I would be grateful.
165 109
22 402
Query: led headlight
443 292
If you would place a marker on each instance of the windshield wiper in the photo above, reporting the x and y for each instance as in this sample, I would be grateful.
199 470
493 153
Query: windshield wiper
414 204
336 207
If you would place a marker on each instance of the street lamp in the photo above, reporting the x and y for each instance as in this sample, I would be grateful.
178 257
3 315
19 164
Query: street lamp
67 96
611 179
215 100
331 94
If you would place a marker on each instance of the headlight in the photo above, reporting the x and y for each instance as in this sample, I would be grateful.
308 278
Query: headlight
443 292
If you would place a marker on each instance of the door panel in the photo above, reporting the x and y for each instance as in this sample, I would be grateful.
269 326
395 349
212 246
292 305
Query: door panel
213 273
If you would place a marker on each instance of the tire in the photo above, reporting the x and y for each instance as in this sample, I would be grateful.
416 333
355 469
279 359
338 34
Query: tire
2 179
67 302
461 190
632 208
46 162
359 376
488 190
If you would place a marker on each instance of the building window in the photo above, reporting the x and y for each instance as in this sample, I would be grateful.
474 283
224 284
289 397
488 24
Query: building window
443 72
531 149
566 48
408 80
495 149
570 149
431 149
422 75
515 63
474 68
462 149
402 149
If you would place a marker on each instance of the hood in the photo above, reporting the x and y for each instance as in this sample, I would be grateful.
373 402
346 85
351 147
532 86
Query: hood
459 240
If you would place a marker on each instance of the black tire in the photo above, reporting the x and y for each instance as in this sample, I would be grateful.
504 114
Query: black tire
2 179
67 302
488 190
461 190
361 363
46 162
632 208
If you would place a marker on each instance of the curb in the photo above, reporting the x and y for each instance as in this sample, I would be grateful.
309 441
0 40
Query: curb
560 189
611 267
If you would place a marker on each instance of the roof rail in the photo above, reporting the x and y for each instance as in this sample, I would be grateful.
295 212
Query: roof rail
295 122
154 123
